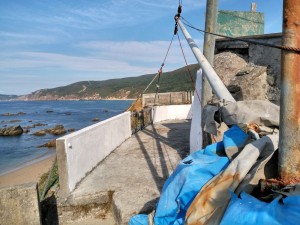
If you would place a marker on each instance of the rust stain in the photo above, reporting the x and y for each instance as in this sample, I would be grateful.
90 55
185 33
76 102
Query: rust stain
211 197
253 126
290 145
291 67
288 178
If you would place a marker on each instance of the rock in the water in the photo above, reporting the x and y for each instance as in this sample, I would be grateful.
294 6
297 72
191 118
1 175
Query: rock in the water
15 121
95 119
57 130
71 130
40 133
50 144
26 130
39 124
11 131
13 114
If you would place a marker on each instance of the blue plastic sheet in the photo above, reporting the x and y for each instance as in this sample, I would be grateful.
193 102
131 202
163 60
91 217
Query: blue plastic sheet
188 178
140 219
248 210
184 184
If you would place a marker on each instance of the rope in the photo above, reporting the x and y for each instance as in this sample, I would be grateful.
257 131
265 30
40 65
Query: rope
281 47
157 86
190 74
157 75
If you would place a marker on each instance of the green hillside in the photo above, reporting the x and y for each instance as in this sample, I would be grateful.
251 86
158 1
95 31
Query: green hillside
130 87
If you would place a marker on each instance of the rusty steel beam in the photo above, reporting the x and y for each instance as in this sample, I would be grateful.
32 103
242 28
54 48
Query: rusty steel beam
289 145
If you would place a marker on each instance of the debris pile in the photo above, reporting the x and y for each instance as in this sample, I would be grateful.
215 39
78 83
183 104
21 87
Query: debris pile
244 80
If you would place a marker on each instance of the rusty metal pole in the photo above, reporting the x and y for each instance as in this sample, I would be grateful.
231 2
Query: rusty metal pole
209 44
289 139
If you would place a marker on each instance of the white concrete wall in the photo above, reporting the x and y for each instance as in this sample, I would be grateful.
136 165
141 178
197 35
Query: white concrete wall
196 128
171 112
84 149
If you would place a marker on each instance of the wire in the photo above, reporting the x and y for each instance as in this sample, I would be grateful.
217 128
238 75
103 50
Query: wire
157 75
162 65
187 66
286 48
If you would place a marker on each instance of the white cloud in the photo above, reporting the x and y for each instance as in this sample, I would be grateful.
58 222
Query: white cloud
100 14
67 62
18 38
140 52
117 58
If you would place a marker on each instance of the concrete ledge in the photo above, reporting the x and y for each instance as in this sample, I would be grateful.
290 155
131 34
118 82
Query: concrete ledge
171 112
78 153
19 205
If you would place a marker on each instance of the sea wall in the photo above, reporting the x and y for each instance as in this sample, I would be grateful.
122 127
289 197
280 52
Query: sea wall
19 205
78 153
171 112
168 98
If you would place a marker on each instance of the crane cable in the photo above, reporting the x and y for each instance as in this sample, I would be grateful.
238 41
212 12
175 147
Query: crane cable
178 15
189 72
158 74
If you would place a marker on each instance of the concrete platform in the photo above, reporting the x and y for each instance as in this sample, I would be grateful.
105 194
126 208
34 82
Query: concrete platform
130 179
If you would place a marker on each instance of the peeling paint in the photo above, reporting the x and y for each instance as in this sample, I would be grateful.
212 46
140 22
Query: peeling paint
289 149
236 23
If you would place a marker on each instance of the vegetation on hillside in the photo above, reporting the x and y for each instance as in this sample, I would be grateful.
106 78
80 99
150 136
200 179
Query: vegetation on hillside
130 87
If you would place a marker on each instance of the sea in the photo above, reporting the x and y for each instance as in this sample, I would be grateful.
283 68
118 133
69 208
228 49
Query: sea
19 151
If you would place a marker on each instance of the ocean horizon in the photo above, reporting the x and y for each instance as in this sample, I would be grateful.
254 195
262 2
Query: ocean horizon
19 151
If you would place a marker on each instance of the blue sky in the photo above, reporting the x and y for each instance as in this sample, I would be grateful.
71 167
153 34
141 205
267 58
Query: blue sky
50 43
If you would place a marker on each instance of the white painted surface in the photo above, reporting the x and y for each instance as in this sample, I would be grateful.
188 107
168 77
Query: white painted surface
171 112
196 129
89 146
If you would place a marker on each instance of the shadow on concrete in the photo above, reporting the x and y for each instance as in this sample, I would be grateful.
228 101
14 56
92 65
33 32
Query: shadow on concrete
177 138
49 211
149 206
159 181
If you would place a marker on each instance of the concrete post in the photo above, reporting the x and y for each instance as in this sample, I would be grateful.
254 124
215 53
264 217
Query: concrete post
289 141
209 45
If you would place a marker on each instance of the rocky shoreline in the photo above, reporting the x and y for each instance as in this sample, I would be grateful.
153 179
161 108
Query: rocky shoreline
65 99
58 130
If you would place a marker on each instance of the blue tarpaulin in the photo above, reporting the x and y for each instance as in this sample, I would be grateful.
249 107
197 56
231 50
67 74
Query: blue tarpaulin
196 170
248 210
188 178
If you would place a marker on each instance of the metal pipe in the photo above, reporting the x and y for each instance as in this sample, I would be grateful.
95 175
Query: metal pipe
209 45
215 82
289 141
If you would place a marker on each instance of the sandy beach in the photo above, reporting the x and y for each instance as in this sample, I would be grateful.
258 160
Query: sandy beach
29 173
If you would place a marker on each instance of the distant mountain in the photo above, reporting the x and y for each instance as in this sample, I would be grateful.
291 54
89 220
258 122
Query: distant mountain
8 97
124 88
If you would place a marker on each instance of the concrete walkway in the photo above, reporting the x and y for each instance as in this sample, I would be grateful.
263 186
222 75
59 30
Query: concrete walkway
130 179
